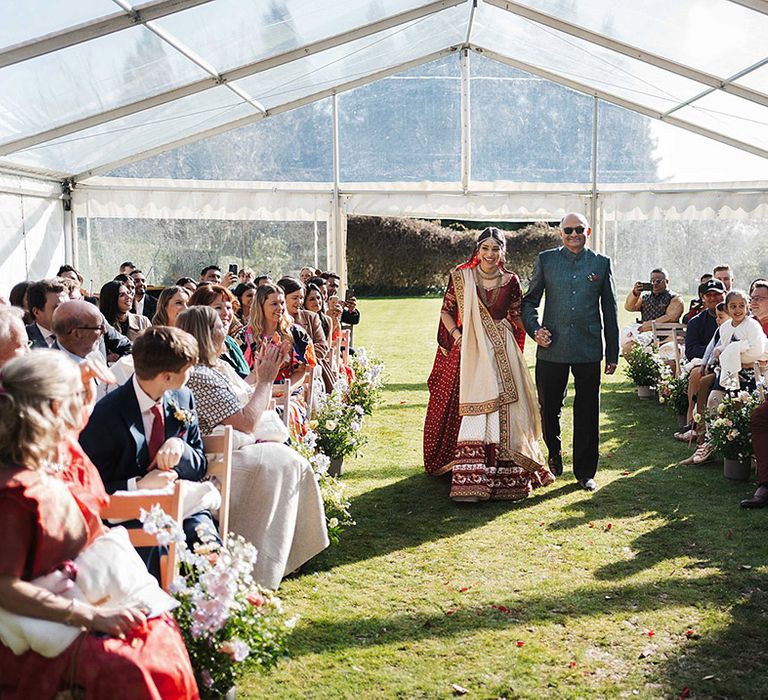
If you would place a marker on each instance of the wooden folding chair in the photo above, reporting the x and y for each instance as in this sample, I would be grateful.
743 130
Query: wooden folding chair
281 395
313 375
218 449
673 333
128 505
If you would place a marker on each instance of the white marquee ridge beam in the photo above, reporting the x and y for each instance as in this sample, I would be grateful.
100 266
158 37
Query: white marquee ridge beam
621 102
93 30
227 76
756 5
244 121
629 50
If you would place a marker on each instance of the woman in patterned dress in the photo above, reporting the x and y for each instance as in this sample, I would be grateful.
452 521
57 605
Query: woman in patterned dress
482 422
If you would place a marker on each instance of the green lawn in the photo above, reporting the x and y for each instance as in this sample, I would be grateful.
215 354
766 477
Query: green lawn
654 584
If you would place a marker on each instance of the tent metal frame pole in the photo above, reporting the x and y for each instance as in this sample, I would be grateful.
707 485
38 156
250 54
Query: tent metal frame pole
593 199
336 262
93 29
466 122
314 97
621 102
227 76
634 52
756 5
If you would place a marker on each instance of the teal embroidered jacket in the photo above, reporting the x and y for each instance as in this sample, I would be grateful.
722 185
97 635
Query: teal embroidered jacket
577 288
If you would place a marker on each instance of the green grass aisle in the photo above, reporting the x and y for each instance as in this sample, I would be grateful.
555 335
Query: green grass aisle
655 583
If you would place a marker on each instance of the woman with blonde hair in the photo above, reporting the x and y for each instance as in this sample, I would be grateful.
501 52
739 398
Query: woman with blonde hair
171 302
275 500
50 501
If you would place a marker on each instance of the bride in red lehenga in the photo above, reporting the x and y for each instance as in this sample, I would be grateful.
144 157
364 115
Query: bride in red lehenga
483 421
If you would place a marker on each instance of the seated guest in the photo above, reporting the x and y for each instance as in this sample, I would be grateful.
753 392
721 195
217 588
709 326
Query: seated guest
18 298
697 304
127 280
50 500
321 284
13 335
43 297
725 275
270 323
126 268
263 279
660 304
275 500
172 301
143 304
211 273
306 274
74 293
758 303
78 326
351 315
150 420
115 302
703 326
188 283
246 275
310 322
224 303
245 293
313 301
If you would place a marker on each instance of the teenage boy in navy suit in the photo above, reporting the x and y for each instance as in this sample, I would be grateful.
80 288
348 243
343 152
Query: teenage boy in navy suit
144 434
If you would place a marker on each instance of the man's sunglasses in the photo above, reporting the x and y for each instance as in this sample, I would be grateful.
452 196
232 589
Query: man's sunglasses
568 230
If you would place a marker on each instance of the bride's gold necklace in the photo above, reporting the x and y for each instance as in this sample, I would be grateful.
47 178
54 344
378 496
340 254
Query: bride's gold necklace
492 292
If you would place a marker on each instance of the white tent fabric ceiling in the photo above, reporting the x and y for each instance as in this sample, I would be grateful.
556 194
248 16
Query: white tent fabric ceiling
91 85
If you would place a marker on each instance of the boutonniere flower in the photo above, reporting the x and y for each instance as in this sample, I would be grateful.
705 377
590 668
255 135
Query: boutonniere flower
183 415
592 277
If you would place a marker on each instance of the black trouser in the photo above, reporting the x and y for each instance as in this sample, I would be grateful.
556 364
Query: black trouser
552 385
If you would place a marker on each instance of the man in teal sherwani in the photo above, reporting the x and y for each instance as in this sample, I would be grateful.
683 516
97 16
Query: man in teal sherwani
578 286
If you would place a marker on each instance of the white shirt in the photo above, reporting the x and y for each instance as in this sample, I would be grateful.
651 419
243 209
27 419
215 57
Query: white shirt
49 336
138 306
146 403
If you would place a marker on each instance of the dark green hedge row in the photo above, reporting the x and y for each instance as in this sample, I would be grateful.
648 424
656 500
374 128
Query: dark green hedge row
394 256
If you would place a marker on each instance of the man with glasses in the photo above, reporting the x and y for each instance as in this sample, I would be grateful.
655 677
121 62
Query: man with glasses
758 303
79 327
657 304
579 309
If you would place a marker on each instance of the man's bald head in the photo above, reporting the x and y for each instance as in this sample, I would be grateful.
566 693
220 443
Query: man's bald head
78 326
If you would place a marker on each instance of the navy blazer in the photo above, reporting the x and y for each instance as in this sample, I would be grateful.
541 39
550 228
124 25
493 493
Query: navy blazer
114 438
34 334
579 306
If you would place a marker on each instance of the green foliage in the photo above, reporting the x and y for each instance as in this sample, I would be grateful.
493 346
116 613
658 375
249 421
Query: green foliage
338 426
365 387
644 366
392 256
730 430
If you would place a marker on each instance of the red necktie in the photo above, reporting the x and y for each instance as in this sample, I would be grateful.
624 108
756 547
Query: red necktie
157 436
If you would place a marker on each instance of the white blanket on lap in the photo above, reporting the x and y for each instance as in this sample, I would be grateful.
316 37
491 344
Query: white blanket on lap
110 574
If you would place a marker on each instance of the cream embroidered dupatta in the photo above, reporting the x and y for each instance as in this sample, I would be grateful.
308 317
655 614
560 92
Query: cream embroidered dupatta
497 403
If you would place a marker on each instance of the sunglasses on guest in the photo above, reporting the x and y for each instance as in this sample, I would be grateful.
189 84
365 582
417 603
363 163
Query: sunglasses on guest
568 230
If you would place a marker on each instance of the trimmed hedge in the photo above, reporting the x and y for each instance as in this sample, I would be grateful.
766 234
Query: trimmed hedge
398 257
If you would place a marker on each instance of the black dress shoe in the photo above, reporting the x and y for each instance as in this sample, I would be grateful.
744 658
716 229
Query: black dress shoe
555 465
759 500
588 484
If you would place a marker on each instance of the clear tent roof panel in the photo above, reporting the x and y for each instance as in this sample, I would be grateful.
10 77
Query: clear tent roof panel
27 20
233 33
116 140
579 60
716 36
366 56
88 78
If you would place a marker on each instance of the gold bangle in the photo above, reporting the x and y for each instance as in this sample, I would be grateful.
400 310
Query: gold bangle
70 612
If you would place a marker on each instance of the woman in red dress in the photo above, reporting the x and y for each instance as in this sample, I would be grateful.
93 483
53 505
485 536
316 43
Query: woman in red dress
482 421
50 499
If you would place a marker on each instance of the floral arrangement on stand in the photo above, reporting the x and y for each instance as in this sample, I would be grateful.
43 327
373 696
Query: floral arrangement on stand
337 425
673 391
230 624
729 427
365 388
334 491
644 366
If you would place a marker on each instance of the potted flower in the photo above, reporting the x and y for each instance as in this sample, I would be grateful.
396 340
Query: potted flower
338 427
644 368
365 386
730 433
673 393
334 491
230 625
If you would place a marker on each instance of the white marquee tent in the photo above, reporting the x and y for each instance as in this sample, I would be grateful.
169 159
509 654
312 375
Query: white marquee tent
92 86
